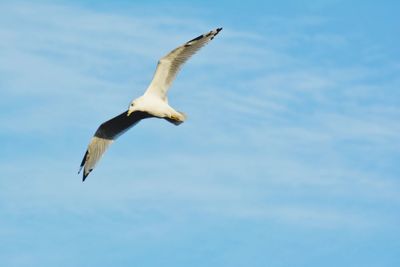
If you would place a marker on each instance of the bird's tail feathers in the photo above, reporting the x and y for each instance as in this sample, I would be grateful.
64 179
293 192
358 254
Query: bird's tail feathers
180 118
183 116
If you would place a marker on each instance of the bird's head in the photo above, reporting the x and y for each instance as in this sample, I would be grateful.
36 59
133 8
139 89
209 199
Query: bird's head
132 107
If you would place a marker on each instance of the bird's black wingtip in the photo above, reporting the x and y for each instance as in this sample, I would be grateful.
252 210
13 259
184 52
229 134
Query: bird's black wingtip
215 32
84 160
85 174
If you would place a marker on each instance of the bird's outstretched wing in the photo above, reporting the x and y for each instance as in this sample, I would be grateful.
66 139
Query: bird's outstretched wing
169 65
105 135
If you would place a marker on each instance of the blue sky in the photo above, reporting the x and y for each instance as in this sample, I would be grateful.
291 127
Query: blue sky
289 156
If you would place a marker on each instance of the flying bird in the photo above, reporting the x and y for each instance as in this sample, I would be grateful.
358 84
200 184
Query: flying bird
152 104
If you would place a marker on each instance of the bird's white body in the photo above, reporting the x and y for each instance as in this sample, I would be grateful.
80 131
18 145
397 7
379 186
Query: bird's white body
155 106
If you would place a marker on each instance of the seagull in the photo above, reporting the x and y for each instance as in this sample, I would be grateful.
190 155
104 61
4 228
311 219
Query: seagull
152 104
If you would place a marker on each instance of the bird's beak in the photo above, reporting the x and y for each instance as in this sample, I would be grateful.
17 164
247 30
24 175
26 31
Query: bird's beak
129 112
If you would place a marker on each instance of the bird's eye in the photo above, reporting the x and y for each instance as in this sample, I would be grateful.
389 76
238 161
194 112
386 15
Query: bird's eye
132 105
